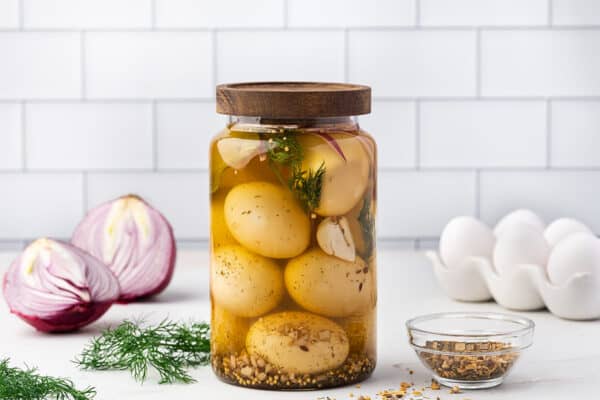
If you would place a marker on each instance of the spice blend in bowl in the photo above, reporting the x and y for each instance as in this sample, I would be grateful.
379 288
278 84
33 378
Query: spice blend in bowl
470 350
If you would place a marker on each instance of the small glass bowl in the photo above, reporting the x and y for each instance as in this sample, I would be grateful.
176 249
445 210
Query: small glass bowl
471 350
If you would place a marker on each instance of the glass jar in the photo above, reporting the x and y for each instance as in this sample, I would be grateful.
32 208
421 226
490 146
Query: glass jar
293 201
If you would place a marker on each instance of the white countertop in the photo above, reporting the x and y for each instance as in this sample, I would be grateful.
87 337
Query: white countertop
564 361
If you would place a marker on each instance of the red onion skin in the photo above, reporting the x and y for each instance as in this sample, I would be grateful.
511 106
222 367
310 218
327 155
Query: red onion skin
73 319
69 319
81 238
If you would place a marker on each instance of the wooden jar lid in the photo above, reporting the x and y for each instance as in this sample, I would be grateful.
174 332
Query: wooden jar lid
293 99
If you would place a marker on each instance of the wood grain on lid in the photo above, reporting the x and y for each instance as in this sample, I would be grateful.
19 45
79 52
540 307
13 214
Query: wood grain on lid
293 99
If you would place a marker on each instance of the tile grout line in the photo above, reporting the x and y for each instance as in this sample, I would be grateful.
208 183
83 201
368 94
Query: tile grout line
417 14
21 14
286 15
153 14
215 54
154 128
346 55
83 67
417 162
549 134
478 193
84 195
23 136
550 13
381 29
478 63
382 170
424 99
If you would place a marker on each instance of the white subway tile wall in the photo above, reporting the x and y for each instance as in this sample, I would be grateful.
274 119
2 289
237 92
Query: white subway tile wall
576 12
87 14
553 194
40 65
393 124
88 136
40 204
480 106
280 55
11 154
483 134
220 14
417 63
181 197
540 63
351 13
9 14
184 130
575 134
148 65
484 12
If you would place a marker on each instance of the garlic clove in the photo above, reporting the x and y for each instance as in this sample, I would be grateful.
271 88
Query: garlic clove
335 238
237 153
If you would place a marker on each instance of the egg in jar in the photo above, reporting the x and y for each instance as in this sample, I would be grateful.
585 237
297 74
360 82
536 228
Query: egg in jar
244 283
267 219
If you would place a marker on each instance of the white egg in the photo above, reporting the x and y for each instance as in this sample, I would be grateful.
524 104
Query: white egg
563 227
464 237
578 253
520 244
518 217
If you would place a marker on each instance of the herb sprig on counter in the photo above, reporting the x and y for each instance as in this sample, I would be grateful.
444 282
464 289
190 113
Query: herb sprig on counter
28 384
285 150
169 348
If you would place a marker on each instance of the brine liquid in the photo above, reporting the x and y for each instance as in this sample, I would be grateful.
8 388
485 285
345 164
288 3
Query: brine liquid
232 359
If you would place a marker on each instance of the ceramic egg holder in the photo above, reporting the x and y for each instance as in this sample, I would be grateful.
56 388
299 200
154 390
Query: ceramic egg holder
524 287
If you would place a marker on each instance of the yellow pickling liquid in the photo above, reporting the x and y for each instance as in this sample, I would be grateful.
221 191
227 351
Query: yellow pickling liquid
287 311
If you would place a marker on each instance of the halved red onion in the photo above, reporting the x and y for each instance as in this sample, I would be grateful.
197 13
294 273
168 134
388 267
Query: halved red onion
134 240
57 287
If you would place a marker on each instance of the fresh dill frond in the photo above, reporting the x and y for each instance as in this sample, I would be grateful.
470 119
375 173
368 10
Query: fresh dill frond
169 348
284 149
307 186
27 384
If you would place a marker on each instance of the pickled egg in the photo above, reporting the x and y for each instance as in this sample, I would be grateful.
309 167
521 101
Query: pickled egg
330 286
266 219
519 217
244 283
346 176
465 237
298 342
578 253
563 227
520 244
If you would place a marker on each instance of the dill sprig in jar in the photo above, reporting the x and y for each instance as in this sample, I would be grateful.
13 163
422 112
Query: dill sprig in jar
293 202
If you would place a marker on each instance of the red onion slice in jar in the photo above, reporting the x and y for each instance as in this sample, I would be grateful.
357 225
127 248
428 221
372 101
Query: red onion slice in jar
56 287
134 240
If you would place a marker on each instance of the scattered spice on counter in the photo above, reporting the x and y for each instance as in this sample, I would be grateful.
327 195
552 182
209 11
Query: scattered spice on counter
405 391
481 361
